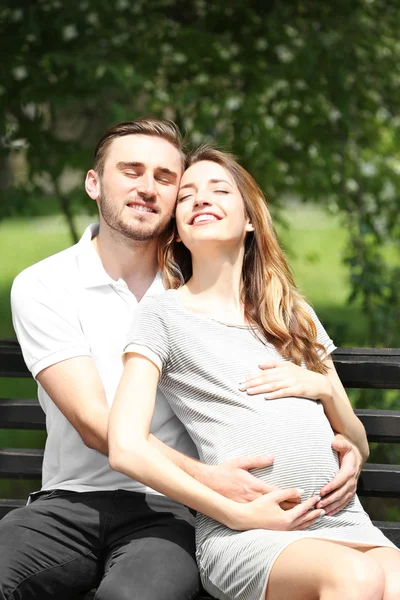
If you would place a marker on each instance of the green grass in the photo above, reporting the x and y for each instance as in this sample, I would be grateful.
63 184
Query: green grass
314 244
24 242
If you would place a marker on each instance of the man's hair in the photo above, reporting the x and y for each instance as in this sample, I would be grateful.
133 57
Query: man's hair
166 130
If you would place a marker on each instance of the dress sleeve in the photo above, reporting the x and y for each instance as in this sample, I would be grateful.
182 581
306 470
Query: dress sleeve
322 336
148 334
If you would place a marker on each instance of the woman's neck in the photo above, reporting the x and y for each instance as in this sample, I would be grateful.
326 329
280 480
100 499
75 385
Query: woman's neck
215 286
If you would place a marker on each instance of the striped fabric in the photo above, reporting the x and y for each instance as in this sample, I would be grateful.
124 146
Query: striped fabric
202 362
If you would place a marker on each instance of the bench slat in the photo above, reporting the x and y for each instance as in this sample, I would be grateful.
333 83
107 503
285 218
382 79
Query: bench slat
381 425
380 480
11 362
18 413
376 368
390 529
19 463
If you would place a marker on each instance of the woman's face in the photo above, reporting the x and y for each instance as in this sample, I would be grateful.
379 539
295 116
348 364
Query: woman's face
210 207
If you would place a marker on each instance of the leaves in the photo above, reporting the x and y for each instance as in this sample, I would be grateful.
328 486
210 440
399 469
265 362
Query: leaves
305 93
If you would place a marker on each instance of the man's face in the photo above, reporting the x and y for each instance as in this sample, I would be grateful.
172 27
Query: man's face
139 185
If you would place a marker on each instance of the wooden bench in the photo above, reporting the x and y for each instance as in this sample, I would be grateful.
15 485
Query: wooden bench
357 367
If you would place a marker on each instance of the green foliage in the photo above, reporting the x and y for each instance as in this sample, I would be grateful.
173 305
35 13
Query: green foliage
306 93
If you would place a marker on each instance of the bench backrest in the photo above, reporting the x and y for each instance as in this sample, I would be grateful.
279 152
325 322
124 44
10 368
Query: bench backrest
357 367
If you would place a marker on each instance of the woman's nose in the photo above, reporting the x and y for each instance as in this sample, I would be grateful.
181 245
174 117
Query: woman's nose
201 200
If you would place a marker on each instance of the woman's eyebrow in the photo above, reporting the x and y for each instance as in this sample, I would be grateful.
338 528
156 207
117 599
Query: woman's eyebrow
220 181
193 185
187 185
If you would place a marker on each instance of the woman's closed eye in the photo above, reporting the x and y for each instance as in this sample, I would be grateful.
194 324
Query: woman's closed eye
185 197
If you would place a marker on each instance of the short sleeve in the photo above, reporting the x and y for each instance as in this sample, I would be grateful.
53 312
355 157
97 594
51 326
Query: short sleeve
45 322
322 336
148 333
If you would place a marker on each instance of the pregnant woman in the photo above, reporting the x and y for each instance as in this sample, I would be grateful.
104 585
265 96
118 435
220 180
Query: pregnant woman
231 301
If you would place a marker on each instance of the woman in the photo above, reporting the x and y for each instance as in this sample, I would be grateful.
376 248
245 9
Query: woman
232 301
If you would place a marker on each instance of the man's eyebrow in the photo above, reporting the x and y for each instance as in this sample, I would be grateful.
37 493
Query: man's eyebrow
126 165
167 171
193 185
134 164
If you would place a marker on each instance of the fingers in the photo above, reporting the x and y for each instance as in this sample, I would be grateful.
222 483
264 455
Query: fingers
347 474
289 504
252 378
252 462
268 387
335 507
305 514
292 494
339 499
337 482
284 392
301 509
340 439
308 519
260 385
271 364
341 444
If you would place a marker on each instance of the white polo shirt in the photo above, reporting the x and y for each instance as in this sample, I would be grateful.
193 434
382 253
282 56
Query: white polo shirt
67 306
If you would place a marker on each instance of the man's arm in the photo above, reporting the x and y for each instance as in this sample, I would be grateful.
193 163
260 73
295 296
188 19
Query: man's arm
75 387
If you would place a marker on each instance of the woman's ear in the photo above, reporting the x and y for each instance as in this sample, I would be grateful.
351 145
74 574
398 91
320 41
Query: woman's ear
249 227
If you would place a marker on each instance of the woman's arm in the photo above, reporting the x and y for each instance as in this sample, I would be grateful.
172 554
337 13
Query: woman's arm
131 453
340 413
280 379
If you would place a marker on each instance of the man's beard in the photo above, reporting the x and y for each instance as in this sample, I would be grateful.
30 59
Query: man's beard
135 231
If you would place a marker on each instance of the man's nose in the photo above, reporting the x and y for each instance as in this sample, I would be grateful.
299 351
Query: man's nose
147 186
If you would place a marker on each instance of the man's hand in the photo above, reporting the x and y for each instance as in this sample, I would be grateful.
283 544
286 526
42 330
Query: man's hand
338 493
233 480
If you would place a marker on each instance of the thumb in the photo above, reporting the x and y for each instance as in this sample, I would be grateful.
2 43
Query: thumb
271 364
340 444
289 494
252 462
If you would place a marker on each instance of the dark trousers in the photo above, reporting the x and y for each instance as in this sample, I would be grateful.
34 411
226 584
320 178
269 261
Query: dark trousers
130 546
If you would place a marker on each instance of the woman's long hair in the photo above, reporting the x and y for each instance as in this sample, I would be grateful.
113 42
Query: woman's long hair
272 304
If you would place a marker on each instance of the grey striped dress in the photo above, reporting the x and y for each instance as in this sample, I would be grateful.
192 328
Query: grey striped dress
202 362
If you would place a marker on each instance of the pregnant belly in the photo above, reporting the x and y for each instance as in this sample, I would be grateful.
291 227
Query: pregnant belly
294 431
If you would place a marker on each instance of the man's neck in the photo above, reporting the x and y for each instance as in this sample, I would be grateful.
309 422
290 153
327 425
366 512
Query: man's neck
133 261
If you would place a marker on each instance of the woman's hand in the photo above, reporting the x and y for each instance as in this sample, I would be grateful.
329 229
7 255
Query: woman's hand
266 513
281 379
340 491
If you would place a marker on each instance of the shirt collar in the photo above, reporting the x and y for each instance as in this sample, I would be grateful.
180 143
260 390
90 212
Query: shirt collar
92 270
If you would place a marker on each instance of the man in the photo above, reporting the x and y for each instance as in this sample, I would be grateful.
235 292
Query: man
90 526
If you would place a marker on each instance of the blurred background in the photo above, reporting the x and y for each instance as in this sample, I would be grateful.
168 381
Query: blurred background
305 93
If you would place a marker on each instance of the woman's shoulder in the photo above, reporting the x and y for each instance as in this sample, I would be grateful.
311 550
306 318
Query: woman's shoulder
159 302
